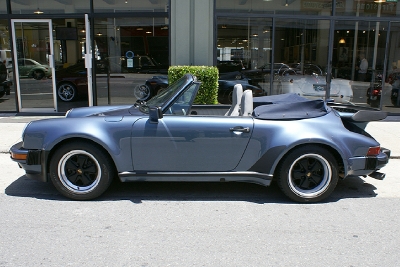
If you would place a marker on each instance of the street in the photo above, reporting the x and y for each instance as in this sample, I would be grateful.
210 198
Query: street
198 224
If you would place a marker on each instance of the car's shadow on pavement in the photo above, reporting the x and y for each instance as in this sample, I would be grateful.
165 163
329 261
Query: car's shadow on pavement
136 192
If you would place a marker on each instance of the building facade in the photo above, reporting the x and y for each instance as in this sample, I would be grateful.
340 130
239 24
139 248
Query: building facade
61 54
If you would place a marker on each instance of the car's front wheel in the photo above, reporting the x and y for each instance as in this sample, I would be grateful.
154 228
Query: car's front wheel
66 92
308 174
81 171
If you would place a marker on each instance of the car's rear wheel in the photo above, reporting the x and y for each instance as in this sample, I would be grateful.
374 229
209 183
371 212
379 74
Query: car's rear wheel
142 92
66 92
38 74
308 174
81 171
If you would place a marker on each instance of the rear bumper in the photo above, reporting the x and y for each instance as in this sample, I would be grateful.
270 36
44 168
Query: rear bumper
361 166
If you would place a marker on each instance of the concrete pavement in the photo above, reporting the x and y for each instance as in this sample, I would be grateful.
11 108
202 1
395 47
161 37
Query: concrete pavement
386 132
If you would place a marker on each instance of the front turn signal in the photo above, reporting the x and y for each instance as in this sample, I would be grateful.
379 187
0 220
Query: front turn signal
19 156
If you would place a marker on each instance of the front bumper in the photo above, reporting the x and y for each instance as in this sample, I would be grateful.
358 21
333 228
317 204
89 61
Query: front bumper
32 161
362 166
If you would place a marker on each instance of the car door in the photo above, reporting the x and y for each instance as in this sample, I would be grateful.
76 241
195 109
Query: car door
190 143
22 68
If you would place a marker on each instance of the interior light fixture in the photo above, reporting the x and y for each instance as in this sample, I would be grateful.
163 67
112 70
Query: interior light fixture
38 11
380 1
342 41
99 34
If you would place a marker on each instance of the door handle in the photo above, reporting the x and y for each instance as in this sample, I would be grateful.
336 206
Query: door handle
240 129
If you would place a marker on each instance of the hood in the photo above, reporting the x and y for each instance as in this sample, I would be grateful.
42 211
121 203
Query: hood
122 110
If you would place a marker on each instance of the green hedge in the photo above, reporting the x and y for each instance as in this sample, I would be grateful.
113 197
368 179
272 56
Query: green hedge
208 92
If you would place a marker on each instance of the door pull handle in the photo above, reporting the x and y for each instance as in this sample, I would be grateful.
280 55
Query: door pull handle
240 129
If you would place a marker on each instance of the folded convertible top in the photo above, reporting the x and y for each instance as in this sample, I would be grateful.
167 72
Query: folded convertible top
288 107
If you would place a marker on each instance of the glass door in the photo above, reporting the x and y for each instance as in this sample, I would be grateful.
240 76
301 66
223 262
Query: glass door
34 66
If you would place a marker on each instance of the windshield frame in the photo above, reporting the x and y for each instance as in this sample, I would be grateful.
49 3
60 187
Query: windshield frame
167 96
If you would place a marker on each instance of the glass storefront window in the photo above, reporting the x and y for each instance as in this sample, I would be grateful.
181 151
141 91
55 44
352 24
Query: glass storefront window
358 56
391 91
301 47
7 94
244 45
129 54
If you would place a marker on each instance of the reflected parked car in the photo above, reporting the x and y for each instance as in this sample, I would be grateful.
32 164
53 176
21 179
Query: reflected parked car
314 87
261 74
230 66
152 87
71 82
31 68
139 64
226 82
307 69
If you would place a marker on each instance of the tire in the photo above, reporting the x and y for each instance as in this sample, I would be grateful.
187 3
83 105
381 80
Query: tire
308 174
2 94
38 74
142 92
81 171
67 92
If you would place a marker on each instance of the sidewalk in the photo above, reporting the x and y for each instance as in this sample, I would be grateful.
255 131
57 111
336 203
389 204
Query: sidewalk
386 132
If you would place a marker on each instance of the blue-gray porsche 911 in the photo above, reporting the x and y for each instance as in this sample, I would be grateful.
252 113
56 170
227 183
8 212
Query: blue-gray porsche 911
304 145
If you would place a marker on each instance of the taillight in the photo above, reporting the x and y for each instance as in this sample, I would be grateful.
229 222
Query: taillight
376 92
374 151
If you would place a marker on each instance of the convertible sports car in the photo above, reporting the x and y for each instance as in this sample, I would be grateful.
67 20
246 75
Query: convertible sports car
304 145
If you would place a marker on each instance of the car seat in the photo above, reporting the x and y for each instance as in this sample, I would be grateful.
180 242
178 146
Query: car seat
236 98
246 106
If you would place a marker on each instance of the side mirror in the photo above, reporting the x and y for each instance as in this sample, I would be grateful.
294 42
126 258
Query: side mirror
155 113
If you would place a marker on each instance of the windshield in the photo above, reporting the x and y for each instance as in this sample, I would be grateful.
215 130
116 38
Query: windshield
160 99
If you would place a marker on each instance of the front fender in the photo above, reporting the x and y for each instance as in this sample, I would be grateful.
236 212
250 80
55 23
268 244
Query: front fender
113 136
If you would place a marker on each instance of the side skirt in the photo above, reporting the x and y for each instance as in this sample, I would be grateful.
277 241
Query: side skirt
248 177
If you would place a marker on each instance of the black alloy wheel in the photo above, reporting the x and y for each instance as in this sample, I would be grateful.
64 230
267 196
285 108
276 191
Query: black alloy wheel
308 174
81 171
